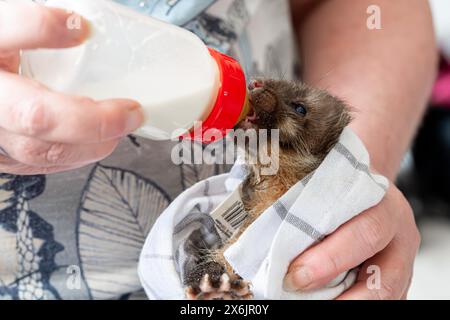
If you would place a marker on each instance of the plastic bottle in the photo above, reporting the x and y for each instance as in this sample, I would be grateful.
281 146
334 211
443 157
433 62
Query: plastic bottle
168 70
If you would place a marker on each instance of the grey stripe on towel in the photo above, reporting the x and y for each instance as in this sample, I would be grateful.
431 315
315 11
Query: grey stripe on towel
339 147
158 256
297 222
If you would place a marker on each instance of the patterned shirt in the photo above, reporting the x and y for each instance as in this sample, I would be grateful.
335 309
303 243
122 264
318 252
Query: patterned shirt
78 235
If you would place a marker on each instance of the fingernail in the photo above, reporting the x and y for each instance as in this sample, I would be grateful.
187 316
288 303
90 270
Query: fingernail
79 28
76 28
298 279
134 119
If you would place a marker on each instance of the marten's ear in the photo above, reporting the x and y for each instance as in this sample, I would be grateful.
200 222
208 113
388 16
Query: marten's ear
335 121
347 116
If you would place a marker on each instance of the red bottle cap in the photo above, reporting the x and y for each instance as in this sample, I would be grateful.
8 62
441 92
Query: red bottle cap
230 103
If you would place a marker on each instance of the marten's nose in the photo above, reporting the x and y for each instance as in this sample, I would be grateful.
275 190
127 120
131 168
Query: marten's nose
254 84
263 99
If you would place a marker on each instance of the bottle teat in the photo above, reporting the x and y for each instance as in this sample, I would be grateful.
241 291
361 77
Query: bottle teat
231 105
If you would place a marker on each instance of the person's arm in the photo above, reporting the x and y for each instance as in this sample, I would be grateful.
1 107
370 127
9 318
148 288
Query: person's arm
386 76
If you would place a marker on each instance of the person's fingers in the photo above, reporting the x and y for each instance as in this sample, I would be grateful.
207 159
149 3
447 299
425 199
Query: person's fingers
10 61
405 294
349 246
30 109
39 153
13 167
386 276
29 26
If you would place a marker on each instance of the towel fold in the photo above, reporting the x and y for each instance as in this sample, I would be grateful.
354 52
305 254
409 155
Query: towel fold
338 190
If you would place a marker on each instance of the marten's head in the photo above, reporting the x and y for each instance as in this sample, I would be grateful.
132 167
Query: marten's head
309 120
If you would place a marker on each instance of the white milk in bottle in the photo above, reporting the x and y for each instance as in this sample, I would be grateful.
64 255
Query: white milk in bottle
167 69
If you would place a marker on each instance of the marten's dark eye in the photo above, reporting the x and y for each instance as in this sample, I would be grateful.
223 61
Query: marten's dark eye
299 108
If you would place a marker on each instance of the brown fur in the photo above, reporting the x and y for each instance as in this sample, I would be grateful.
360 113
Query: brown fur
305 140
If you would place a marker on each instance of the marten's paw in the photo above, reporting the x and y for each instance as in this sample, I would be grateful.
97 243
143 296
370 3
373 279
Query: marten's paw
212 281
224 287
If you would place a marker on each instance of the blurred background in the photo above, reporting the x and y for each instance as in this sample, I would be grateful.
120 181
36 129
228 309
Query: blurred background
425 176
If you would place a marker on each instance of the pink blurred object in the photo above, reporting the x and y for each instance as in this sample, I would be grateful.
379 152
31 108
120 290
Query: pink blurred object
441 90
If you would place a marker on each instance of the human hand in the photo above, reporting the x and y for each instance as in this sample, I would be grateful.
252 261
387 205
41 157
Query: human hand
42 131
385 236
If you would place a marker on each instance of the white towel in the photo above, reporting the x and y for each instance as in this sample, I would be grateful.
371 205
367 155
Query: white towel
338 190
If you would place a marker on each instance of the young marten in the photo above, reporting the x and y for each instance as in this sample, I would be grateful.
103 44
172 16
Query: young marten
310 122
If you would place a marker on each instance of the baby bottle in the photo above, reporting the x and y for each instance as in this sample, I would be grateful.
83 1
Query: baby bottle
178 80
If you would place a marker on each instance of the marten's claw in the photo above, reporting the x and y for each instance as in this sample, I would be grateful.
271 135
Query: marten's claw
225 288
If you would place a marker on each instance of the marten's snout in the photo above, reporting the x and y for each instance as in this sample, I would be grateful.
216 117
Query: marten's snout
262 97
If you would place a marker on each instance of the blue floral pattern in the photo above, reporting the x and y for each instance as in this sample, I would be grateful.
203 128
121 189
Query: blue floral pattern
34 248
